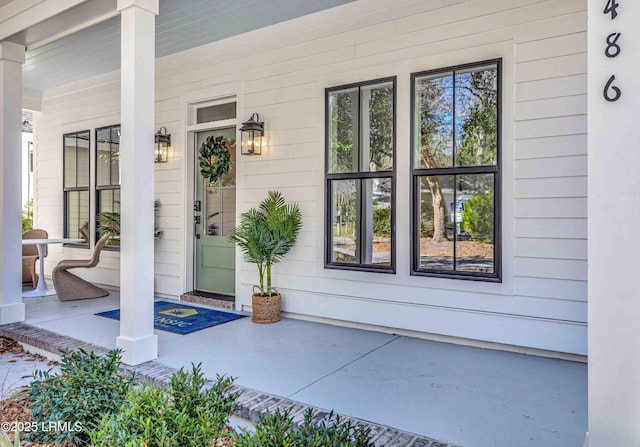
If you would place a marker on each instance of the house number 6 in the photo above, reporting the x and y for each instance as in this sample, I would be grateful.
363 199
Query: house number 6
612 87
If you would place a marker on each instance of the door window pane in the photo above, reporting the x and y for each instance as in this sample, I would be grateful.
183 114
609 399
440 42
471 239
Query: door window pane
218 198
220 208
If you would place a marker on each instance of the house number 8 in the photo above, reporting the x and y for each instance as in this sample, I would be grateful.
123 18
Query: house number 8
613 49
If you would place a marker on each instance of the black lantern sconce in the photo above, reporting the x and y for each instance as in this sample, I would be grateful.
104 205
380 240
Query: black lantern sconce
163 141
252 135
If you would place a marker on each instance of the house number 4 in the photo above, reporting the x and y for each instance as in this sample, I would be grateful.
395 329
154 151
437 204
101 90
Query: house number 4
611 7
612 93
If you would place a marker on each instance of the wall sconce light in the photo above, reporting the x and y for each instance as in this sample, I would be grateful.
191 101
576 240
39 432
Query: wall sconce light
163 141
252 134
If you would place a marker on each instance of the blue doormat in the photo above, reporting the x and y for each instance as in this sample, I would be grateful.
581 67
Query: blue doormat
181 319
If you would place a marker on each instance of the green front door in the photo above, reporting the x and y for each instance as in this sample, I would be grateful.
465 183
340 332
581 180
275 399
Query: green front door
215 255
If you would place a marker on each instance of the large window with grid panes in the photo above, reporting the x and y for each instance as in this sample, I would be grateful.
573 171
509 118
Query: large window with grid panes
456 171
360 176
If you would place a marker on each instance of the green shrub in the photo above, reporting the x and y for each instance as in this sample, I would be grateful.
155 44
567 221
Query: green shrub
185 415
87 387
381 221
27 216
426 227
426 218
277 430
477 216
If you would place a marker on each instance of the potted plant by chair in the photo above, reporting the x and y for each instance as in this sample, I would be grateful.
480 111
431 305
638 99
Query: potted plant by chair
265 235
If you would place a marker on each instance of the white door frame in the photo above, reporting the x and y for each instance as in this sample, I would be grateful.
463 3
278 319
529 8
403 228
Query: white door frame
191 102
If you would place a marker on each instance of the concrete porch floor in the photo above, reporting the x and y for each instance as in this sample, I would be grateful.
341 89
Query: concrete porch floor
467 396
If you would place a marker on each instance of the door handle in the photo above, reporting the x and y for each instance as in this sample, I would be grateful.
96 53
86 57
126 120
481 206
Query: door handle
196 222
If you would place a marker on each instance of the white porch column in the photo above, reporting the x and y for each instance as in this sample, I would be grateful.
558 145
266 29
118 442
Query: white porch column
614 223
11 60
137 339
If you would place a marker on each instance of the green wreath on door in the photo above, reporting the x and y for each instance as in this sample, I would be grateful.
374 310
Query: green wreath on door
214 158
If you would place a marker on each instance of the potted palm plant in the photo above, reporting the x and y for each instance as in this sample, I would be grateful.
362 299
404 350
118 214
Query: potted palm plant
265 235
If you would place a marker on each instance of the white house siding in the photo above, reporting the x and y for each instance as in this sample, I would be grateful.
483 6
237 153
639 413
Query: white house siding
281 73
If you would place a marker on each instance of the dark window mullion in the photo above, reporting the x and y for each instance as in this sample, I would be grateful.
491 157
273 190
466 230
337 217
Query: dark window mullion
360 175
328 218
79 208
417 221
76 157
65 198
493 169
110 158
98 205
360 244
453 137
455 177
359 148
455 221
359 190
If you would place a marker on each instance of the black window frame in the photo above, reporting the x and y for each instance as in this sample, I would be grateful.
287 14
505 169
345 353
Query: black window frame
100 188
65 189
418 173
361 175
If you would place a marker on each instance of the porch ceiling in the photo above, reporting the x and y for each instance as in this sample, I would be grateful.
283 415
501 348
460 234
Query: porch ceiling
181 24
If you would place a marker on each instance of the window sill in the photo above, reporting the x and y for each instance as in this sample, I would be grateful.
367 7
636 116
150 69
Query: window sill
361 268
462 276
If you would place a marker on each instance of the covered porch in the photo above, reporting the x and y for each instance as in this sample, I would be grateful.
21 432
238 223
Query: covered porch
461 395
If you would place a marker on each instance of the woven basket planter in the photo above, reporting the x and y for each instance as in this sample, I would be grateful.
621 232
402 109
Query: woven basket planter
266 309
